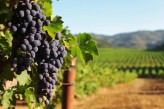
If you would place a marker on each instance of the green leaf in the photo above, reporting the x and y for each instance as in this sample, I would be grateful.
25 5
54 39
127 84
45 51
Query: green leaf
55 26
6 99
24 78
92 47
30 97
5 42
66 44
74 51
47 9
87 47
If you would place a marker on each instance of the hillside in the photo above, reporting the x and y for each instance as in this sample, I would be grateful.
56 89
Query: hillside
139 39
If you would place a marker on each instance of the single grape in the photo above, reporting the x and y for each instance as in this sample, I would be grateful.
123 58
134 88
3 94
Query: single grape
9 24
29 18
14 64
25 41
46 22
57 36
33 12
40 77
32 23
27 12
21 13
35 49
23 30
33 30
32 54
13 29
23 47
28 5
39 100
47 75
46 102
29 47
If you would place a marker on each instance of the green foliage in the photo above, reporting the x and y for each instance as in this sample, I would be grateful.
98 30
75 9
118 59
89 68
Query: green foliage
5 42
87 47
28 81
24 78
30 97
6 100
55 26
46 6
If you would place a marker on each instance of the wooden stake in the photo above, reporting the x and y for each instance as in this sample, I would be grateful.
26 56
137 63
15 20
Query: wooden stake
69 86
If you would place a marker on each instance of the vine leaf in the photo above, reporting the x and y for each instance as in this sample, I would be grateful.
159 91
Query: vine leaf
5 42
87 47
23 78
55 26
30 97
46 7
7 96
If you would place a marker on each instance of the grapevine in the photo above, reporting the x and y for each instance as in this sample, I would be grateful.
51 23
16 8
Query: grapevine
34 47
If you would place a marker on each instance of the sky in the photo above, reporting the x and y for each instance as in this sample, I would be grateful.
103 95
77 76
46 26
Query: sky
110 17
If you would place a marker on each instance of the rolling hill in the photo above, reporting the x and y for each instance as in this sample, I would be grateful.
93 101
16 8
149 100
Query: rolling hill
138 39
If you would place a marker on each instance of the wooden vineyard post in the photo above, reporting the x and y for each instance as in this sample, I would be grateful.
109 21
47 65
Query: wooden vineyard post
69 86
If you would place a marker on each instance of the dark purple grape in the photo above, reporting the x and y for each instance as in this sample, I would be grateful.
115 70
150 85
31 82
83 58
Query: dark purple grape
9 24
43 17
40 76
35 49
29 47
28 5
32 54
31 38
48 90
13 29
54 69
37 36
14 9
53 82
46 22
50 66
58 64
45 65
39 100
46 102
29 18
57 36
23 47
25 25
47 84
33 13
23 30
27 12
47 75
14 64
21 13
33 30
32 23
25 41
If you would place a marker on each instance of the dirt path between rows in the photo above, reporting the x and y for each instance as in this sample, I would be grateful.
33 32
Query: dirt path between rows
139 94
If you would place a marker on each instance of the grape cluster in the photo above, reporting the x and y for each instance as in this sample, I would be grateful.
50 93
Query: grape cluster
30 44
26 27
51 55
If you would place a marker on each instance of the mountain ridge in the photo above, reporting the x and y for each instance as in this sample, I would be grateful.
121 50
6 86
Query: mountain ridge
143 39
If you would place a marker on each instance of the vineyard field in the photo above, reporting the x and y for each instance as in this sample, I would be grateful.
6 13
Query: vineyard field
114 66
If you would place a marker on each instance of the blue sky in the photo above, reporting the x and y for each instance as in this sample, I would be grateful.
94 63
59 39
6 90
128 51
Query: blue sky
110 16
